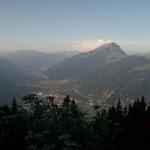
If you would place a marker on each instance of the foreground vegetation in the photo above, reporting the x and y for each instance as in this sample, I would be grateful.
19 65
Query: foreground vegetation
44 125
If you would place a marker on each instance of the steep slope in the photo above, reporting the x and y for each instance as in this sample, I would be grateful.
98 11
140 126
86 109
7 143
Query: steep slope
104 74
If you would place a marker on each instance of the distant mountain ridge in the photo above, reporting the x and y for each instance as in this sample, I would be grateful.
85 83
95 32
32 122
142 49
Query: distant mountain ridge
33 62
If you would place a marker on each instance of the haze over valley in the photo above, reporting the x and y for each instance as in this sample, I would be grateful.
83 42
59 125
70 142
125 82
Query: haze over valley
101 75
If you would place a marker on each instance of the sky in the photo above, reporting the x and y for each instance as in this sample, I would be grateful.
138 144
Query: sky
58 25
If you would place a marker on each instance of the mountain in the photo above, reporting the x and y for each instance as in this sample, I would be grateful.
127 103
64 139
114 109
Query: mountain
11 78
18 68
103 74
86 62
68 53
33 62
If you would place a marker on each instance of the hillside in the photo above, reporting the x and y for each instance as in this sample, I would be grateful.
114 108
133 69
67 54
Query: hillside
86 62
101 74
11 80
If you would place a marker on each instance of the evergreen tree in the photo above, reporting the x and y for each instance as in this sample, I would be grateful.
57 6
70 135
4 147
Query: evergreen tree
14 106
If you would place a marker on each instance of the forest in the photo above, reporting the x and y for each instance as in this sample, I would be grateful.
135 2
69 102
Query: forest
46 125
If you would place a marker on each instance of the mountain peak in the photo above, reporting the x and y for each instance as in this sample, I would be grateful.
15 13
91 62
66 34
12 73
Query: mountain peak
111 44
110 48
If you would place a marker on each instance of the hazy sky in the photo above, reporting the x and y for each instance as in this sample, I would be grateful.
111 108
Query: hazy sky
54 25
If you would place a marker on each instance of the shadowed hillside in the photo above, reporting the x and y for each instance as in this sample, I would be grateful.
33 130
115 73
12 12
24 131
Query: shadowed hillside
11 80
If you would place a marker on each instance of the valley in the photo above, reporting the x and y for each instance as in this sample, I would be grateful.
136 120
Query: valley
101 76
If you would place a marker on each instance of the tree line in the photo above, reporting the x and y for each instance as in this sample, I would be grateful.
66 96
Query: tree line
44 125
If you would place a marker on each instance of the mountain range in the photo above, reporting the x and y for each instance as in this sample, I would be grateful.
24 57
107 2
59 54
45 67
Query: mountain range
103 74
32 62
18 68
